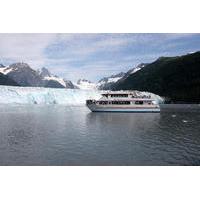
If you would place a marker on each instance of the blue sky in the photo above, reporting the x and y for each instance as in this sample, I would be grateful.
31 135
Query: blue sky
92 56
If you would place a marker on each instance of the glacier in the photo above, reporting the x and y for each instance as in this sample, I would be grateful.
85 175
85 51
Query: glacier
40 95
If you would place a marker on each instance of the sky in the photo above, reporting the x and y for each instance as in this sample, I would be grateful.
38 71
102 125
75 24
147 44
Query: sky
92 56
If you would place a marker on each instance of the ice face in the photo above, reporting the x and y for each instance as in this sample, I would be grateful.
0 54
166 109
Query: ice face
37 95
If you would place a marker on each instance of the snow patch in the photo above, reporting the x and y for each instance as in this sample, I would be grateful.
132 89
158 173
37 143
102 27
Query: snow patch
113 80
53 78
110 80
85 85
5 70
139 67
135 70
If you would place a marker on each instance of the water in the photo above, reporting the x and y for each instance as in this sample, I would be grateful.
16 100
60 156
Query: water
63 135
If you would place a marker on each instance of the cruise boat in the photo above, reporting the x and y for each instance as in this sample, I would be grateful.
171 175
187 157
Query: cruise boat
123 101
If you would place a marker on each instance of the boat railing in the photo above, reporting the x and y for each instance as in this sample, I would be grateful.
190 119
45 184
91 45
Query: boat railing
133 96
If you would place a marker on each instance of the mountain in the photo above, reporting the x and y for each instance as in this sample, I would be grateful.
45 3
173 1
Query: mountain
44 72
175 78
108 83
24 75
85 84
53 81
69 84
50 80
5 80
135 69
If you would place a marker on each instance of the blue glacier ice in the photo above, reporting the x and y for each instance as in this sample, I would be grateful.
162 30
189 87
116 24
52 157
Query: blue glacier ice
37 95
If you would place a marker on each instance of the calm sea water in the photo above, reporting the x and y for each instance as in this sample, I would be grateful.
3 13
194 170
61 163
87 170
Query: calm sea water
63 135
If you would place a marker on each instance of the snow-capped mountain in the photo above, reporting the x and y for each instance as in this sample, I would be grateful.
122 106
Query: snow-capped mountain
51 80
44 72
133 70
24 75
54 81
137 68
108 82
85 84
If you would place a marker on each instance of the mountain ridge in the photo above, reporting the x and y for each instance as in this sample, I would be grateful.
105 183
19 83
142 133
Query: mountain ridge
107 83
175 78
22 74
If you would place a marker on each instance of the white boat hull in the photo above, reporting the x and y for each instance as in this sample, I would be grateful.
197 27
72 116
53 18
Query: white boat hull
95 108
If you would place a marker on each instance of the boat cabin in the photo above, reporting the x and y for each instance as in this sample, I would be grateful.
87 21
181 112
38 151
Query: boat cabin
115 95
124 102
123 95
122 98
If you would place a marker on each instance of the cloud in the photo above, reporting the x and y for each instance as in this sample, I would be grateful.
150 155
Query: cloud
25 47
83 45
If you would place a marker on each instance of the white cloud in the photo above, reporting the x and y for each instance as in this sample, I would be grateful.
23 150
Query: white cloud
87 44
25 47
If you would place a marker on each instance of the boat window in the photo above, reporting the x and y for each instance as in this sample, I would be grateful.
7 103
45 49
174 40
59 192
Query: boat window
139 102
119 95
147 102
121 102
